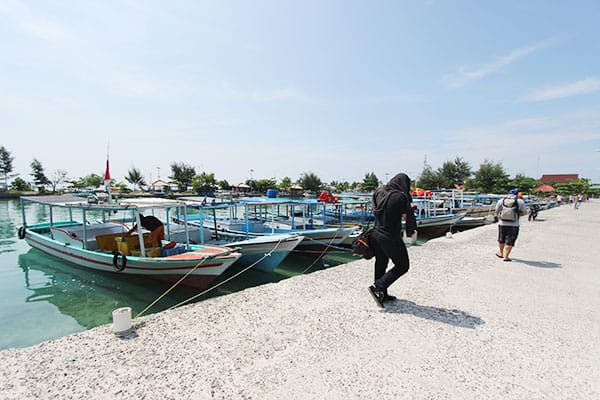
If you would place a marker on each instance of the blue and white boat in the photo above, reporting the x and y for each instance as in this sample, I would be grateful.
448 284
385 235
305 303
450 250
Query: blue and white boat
260 217
264 253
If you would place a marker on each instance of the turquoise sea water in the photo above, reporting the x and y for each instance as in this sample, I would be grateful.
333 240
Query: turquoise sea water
43 298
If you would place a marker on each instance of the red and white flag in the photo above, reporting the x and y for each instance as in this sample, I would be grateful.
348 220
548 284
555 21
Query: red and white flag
107 172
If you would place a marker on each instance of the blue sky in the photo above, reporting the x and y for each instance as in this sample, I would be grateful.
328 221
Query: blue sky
280 88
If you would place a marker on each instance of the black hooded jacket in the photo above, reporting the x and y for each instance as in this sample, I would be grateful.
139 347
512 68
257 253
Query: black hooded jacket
390 203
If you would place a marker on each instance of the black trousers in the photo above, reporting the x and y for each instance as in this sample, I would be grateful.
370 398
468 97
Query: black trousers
386 249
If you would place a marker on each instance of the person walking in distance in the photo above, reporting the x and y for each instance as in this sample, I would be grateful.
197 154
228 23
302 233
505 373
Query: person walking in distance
390 204
508 211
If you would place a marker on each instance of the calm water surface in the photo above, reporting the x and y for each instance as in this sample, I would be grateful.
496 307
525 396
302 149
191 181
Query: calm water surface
44 298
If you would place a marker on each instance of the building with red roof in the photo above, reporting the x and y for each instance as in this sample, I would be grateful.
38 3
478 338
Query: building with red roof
545 189
558 178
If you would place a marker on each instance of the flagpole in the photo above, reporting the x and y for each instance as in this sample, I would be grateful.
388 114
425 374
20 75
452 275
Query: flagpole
107 177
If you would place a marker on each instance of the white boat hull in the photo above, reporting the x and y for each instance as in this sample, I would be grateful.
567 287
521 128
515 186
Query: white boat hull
202 271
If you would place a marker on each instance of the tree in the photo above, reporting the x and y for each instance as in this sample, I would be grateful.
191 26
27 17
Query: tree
40 180
490 178
135 177
252 184
429 179
574 186
370 182
122 187
454 172
204 183
6 166
311 182
91 181
340 187
182 175
263 184
224 185
285 184
524 183
59 176
20 185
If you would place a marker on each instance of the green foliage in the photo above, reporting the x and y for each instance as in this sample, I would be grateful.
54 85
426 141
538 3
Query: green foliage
311 182
524 183
91 181
285 184
40 180
122 187
575 186
6 166
223 184
20 185
489 178
339 187
77 184
454 173
263 184
204 183
135 177
430 179
370 182
252 184
182 174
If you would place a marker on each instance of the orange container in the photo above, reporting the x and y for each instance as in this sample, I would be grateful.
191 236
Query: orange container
150 252
131 243
108 242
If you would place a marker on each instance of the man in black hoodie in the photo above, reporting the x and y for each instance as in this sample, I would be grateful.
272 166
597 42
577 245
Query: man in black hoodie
390 204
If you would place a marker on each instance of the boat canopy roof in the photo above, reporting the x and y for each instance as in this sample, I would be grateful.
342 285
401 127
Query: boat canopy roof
276 201
71 201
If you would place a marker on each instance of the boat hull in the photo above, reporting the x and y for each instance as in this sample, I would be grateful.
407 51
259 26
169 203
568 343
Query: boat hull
265 253
435 226
202 271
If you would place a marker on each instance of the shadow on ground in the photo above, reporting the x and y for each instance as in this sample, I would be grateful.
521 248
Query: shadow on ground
452 317
538 264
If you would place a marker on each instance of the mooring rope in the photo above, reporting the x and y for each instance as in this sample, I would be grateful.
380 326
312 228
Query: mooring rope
323 251
228 279
268 254
173 286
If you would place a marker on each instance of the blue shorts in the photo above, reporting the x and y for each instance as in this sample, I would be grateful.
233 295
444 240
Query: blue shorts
508 234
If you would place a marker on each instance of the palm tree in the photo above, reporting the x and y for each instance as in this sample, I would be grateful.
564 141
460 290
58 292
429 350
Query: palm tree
134 176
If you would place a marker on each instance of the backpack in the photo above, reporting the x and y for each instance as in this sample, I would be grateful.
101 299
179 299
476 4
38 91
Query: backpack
361 245
509 210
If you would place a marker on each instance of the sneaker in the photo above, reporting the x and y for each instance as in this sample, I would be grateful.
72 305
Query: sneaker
389 298
377 295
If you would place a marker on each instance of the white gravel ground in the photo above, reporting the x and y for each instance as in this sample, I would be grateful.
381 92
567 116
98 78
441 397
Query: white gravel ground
466 326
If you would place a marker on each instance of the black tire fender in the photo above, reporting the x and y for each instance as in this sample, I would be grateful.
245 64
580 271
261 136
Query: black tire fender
119 261
21 232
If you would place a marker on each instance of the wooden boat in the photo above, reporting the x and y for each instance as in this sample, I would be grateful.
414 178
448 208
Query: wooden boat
434 220
264 253
104 246
259 217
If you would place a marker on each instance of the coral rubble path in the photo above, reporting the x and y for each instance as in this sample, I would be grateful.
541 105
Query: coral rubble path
465 326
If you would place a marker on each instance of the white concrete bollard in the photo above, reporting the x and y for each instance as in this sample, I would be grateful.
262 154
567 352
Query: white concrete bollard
122 320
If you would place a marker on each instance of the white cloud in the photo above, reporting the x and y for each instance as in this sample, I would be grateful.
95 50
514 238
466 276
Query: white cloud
283 94
465 75
25 21
577 88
